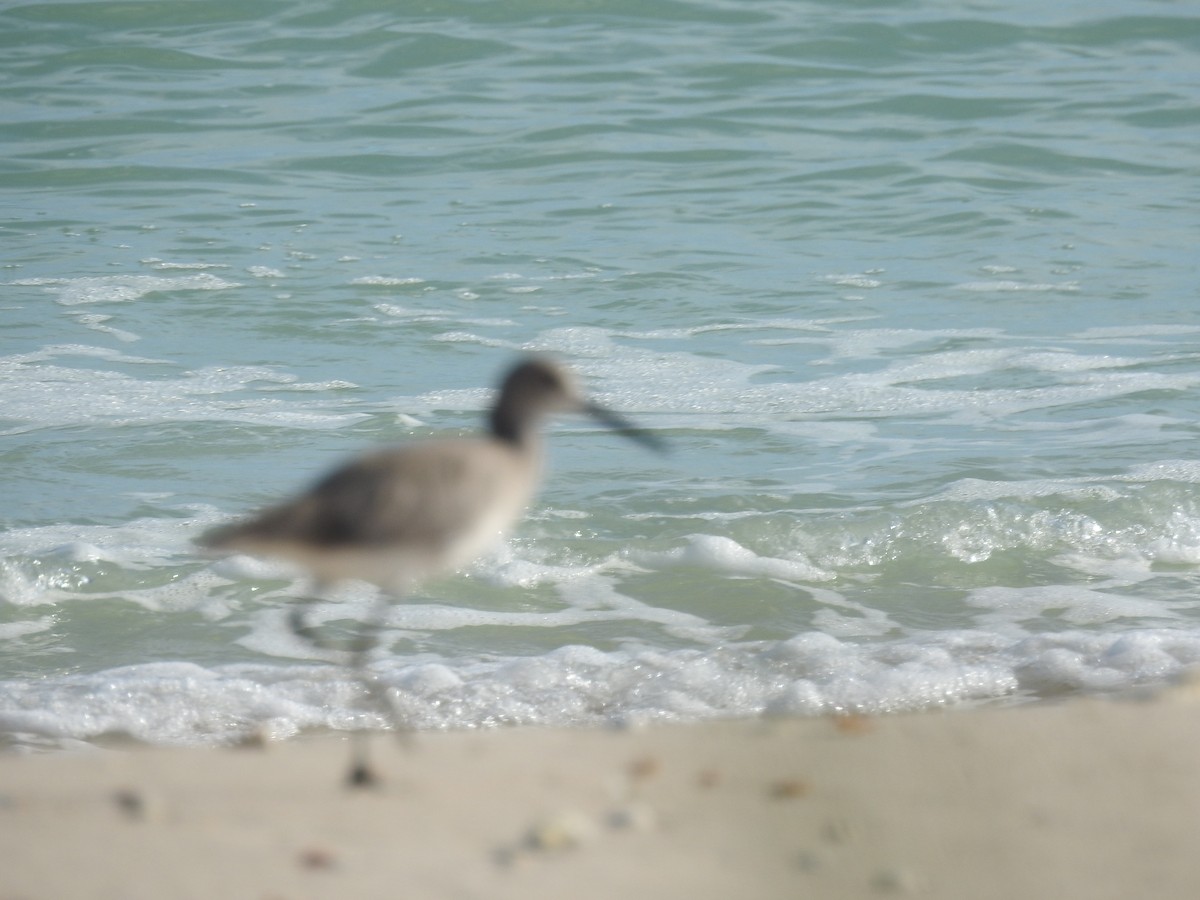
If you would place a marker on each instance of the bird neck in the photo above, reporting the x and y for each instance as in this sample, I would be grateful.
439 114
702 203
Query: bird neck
508 427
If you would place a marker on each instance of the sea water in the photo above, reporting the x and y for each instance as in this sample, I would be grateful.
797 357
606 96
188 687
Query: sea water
909 289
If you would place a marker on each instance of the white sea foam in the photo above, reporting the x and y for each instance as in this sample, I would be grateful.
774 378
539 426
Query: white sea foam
122 288
1182 470
725 555
855 280
1008 286
14 631
1073 604
184 703
98 322
41 392
856 657
387 280
646 380
162 264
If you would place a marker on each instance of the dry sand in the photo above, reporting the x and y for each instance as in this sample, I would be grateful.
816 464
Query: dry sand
1095 799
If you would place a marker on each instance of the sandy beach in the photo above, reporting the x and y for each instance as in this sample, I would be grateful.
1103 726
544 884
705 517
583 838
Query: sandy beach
1090 798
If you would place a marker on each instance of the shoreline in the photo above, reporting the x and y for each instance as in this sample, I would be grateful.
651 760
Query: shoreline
1093 798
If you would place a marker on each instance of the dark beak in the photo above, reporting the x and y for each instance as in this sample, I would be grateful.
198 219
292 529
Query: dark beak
624 427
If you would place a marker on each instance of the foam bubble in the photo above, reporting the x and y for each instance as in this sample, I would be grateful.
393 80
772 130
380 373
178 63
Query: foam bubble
1059 663
76 551
429 680
239 567
726 555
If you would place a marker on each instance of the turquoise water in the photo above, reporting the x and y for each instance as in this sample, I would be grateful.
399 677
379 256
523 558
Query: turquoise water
910 288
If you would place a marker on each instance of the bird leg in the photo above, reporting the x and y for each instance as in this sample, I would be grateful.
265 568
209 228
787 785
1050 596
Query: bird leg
354 653
361 773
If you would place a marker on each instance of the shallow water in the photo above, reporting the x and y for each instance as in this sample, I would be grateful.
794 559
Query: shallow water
910 288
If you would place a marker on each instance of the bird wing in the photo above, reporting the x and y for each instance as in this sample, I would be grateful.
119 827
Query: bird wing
416 496
422 496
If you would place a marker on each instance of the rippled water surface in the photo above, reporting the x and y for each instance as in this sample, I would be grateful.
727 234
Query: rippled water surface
909 287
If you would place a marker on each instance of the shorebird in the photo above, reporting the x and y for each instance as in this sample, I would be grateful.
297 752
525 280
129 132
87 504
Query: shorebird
397 517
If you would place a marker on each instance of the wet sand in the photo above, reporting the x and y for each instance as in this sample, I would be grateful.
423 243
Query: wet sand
1088 798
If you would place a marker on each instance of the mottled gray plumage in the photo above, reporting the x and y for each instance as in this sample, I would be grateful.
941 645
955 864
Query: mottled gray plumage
396 517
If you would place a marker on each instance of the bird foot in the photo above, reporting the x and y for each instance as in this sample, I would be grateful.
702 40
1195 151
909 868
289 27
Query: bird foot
362 776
